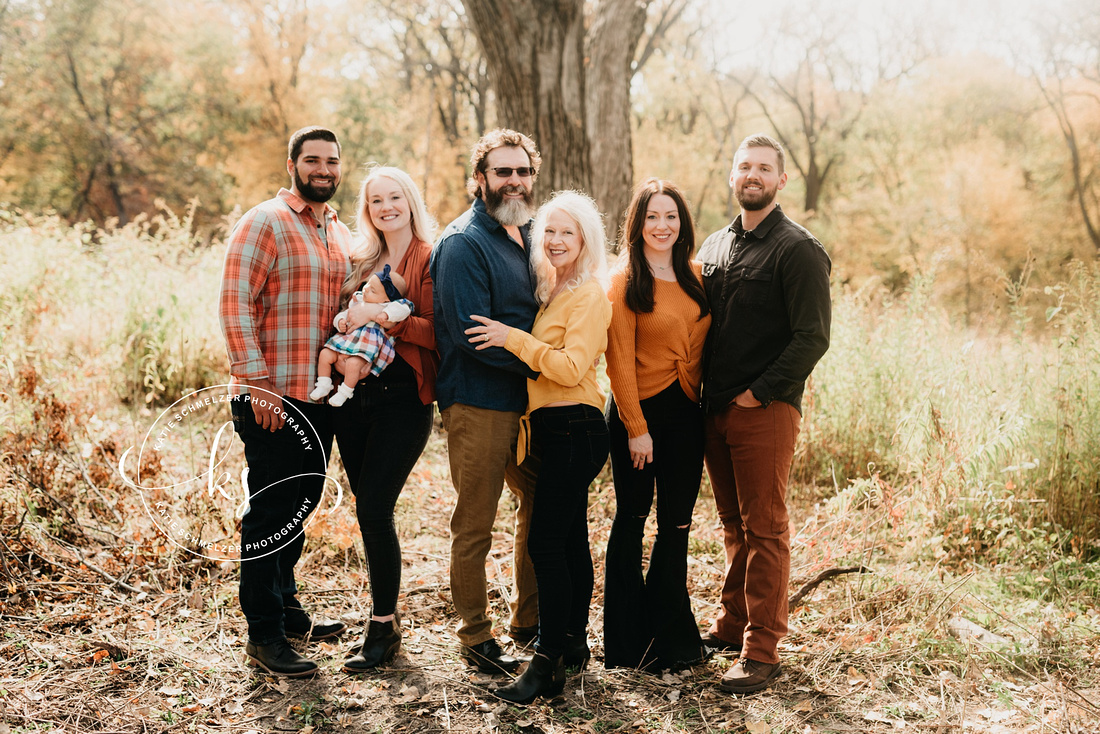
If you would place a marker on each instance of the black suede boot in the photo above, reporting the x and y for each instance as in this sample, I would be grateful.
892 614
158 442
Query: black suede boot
576 652
543 677
380 643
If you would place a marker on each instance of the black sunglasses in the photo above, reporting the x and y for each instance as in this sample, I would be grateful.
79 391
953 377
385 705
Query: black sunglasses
524 172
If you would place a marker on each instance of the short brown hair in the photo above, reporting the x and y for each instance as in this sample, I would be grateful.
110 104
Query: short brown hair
760 140
313 132
490 141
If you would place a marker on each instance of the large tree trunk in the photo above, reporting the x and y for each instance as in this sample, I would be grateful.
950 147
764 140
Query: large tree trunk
534 51
612 41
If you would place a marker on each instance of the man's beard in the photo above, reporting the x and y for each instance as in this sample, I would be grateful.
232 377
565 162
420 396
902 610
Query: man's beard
510 212
760 200
313 193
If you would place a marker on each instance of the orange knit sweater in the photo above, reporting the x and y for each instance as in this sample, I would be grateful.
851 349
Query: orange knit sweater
647 352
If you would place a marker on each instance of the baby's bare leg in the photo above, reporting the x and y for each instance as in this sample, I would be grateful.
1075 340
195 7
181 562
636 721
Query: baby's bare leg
325 361
353 368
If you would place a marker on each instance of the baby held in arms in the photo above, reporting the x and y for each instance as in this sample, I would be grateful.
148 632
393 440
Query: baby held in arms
366 349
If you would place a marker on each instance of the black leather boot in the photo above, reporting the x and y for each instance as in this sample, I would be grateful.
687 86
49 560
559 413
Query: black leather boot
380 643
543 677
576 652
279 658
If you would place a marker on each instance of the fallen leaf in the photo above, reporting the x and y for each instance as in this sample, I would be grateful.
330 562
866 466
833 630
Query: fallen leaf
857 679
757 727
673 695
170 691
883 719
804 705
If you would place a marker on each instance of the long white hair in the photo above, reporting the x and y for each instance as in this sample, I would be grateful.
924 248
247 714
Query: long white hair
371 244
591 262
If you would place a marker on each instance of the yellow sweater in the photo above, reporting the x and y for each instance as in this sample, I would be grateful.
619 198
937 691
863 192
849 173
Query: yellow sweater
647 352
569 334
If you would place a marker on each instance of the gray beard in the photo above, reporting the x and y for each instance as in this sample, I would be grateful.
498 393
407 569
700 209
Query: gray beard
512 213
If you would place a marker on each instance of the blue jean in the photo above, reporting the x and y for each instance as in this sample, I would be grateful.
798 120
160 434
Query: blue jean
286 477
648 620
381 432
571 445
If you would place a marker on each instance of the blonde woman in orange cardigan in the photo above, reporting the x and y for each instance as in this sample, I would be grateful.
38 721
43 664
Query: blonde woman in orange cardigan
655 362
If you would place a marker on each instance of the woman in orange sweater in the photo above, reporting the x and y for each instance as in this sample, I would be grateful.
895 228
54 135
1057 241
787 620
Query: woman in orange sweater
658 327
569 440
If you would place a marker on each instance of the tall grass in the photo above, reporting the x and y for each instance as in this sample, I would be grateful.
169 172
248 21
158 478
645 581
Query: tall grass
126 313
986 431
989 434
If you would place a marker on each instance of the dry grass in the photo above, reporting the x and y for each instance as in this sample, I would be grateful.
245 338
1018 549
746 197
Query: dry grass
108 629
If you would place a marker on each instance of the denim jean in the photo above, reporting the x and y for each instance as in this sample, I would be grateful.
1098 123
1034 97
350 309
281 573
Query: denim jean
749 453
648 620
481 449
286 477
571 444
381 432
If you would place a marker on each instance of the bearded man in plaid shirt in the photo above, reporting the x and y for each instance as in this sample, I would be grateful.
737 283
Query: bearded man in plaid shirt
286 261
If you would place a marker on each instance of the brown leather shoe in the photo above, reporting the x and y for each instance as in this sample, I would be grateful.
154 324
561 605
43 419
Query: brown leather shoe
749 676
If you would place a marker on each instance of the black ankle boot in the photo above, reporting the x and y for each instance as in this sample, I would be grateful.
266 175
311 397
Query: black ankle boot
576 652
380 643
543 677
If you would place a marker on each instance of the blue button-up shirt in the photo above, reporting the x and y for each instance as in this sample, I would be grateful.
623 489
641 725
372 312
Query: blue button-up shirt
477 268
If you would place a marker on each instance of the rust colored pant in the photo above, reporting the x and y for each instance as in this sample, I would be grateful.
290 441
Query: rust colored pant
748 457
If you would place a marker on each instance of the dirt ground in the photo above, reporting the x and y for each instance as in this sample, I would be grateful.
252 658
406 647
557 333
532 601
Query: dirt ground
105 629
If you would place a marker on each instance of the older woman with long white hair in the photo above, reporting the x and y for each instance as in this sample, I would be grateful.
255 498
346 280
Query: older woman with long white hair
565 424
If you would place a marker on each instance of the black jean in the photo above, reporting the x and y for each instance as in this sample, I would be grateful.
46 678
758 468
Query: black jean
571 444
286 477
381 432
648 620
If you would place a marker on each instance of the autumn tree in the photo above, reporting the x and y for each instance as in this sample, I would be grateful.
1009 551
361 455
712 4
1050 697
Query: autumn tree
1066 69
565 80
116 107
825 63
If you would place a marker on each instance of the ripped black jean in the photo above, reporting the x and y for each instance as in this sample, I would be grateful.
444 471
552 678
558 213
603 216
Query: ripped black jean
648 622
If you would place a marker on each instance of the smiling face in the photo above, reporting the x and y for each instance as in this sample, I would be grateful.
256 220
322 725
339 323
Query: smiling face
756 178
315 176
509 200
388 208
662 225
562 243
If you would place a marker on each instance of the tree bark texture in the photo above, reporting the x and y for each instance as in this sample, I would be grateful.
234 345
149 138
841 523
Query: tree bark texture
534 52
612 41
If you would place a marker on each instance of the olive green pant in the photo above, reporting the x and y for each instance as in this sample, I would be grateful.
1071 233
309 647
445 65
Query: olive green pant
481 445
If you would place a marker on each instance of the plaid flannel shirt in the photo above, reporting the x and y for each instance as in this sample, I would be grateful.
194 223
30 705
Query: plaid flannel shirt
280 291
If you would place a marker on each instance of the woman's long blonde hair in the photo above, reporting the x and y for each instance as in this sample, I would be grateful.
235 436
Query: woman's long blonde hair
591 263
371 243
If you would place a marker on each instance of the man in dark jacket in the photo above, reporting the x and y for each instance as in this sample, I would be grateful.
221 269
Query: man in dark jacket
481 266
767 280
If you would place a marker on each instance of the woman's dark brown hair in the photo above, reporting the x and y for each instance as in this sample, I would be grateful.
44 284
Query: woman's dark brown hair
639 279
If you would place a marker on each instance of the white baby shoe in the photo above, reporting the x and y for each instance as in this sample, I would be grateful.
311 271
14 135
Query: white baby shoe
342 394
321 388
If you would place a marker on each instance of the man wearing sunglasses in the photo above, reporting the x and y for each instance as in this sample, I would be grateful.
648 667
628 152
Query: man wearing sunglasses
480 266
